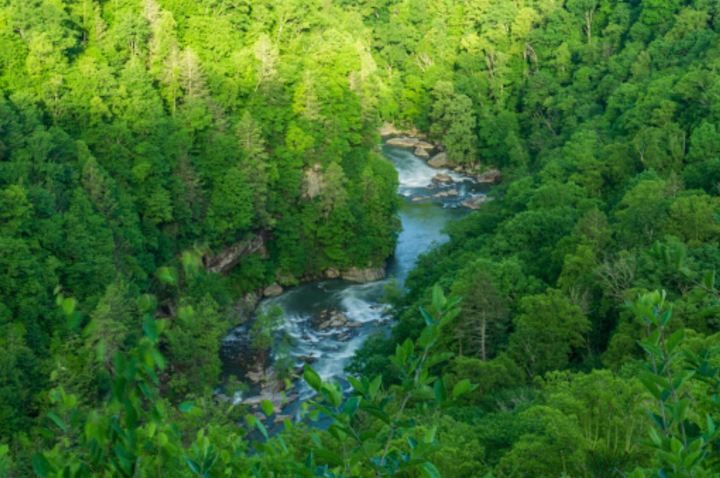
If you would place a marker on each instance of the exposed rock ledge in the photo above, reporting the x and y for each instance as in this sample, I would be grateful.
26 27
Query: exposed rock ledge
388 130
370 274
229 257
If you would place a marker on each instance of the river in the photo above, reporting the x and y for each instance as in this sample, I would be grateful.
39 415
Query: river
423 218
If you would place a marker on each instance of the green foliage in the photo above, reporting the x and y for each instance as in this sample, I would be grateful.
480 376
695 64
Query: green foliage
683 437
133 130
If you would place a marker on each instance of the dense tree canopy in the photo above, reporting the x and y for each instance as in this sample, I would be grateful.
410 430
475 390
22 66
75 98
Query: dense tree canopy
141 140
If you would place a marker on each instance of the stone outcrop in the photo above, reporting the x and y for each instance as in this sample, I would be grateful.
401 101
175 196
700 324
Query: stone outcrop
475 202
369 274
422 153
440 160
442 178
273 290
403 142
329 319
491 176
450 193
332 273
389 130
225 260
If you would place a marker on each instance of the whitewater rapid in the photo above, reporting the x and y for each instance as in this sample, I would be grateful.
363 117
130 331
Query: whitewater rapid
423 222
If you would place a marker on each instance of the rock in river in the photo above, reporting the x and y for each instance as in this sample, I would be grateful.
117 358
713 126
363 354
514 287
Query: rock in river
273 290
403 142
328 319
450 193
440 160
476 201
422 153
442 178
369 274
491 176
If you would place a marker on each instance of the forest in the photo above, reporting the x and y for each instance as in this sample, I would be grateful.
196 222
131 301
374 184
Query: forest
162 161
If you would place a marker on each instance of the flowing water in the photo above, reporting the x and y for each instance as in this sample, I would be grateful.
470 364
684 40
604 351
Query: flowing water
423 221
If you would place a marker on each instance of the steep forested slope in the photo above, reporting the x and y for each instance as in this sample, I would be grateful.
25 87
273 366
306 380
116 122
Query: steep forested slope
604 116
134 130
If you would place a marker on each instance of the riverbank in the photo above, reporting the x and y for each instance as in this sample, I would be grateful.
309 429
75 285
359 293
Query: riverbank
351 311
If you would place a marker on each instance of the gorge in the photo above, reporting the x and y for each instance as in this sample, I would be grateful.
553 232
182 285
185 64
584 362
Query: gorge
327 321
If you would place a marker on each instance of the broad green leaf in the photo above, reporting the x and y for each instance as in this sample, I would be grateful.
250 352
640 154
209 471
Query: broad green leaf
267 408
57 420
462 387
68 305
439 390
312 378
429 470
41 466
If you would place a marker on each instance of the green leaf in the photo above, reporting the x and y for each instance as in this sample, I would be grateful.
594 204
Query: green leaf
167 275
439 390
267 408
194 467
186 407
58 421
150 328
312 378
356 384
429 470
426 316
351 406
252 420
374 387
462 387
68 305
438 298
41 465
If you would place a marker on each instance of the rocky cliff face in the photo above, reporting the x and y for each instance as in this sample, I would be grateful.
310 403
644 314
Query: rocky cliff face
369 274
225 260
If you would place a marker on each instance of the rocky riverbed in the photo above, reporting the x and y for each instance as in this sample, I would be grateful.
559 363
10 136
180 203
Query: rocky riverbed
326 321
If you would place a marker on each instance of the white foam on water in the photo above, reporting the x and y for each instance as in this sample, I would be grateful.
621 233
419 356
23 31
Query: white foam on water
414 173
360 302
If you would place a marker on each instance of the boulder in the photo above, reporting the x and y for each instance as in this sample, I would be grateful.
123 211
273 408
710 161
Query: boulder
450 193
422 153
388 129
403 142
273 290
332 273
369 274
440 160
475 202
442 178
329 319
417 199
491 176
